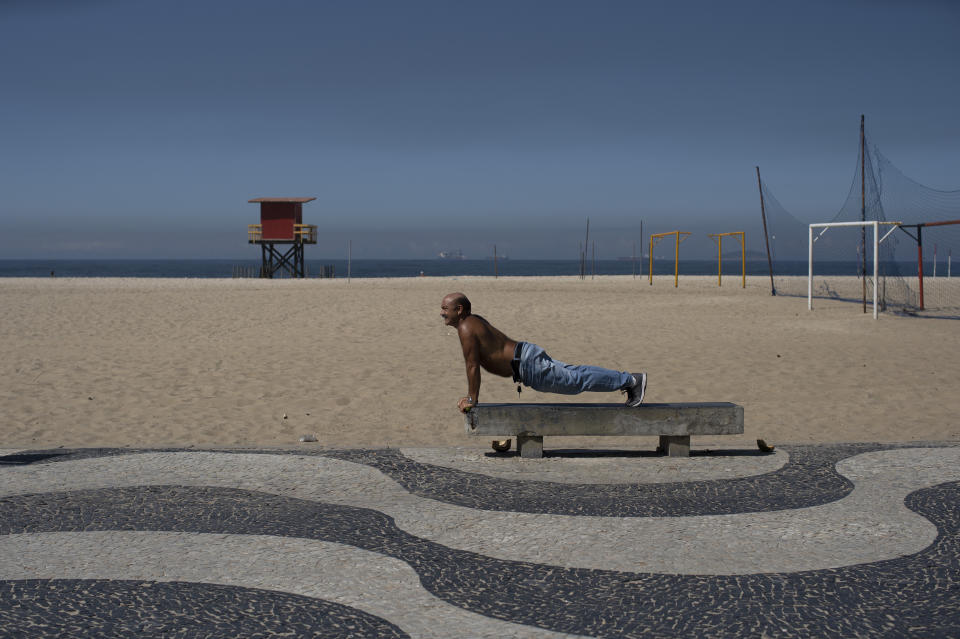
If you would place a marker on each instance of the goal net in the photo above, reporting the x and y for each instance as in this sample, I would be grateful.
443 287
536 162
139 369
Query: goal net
873 282
842 266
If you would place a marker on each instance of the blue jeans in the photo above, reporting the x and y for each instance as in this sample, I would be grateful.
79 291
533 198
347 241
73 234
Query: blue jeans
542 373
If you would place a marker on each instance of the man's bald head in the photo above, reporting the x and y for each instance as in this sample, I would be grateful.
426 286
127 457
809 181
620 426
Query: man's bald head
459 299
454 307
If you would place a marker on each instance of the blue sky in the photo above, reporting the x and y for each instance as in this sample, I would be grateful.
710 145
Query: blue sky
140 128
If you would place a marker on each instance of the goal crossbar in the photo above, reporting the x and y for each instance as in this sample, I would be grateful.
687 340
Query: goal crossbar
875 224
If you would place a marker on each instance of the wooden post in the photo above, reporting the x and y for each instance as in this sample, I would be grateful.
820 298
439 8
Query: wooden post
349 258
766 235
494 261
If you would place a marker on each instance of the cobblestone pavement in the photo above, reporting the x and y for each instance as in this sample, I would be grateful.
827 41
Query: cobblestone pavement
809 541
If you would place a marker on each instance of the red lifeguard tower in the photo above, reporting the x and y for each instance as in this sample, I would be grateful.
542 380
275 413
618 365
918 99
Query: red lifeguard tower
281 222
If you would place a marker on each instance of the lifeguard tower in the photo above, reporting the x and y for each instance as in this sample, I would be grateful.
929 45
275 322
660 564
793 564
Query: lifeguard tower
281 223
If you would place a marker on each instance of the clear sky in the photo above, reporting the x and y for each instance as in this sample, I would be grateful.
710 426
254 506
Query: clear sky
140 128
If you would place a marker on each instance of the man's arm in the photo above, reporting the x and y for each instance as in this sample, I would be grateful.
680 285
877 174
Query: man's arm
470 343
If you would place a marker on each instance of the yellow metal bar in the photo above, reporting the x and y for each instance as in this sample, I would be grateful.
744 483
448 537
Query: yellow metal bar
741 236
676 253
306 232
720 261
651 261
743 260
676 261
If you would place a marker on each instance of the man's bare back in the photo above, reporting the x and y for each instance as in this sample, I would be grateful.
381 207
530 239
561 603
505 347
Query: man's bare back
482 343
486 347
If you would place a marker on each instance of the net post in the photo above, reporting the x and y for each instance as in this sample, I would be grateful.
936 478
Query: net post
863 214
810 268
920 260
876 266
766 235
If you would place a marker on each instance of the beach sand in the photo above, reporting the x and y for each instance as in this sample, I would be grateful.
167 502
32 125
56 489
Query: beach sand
156 362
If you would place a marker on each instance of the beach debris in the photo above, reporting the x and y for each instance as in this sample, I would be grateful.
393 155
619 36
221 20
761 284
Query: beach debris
500 445
308 438
284 415
764 448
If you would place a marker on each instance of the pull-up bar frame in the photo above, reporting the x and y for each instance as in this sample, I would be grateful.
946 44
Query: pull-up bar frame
740 235
676 254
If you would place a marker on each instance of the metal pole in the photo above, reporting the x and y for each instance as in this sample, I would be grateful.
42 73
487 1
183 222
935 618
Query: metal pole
651 260
586 248
676 262
719 254
743 260
863 215
494 261
920 260
349 258
876 263
766 236
810 269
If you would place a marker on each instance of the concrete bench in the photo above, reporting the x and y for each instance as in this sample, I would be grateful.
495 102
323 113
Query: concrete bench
674 423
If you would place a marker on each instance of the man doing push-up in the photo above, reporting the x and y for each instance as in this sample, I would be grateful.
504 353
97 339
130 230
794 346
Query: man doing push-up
485 346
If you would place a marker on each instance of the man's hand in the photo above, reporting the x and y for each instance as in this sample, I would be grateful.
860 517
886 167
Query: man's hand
465 404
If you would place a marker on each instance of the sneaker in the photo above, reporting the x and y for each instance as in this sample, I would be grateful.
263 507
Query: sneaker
636 390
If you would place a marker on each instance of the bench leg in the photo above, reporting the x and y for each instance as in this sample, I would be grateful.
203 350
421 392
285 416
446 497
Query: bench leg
675 445
530 446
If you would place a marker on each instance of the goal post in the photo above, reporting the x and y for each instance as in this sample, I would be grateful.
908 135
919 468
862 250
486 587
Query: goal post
718 238
918 238
680 236
826 226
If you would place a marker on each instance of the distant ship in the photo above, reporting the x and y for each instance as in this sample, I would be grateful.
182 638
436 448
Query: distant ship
449 255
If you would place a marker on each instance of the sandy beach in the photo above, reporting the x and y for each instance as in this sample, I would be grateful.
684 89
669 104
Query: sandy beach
156 362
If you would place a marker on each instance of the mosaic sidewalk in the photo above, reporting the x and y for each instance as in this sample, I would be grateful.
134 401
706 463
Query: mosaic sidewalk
809 541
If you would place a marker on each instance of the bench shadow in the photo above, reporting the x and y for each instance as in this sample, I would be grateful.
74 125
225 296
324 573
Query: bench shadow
584 453
23 459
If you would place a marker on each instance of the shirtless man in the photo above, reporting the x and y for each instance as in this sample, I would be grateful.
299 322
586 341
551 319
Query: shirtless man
485 346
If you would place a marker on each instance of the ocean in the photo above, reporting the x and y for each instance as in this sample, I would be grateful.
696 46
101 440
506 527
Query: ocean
225 268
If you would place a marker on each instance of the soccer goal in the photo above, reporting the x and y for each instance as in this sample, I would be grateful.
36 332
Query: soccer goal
877 240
